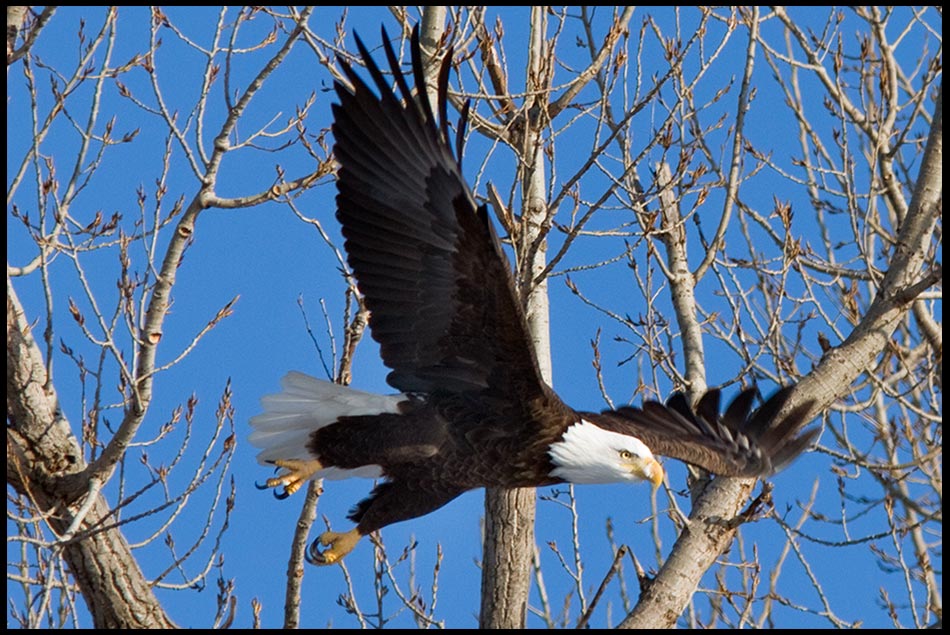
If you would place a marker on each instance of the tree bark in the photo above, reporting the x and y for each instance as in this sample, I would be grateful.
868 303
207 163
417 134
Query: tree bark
41 452
510 514
708 535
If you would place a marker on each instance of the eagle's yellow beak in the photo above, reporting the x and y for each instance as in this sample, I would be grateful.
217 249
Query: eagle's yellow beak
654 472
648 469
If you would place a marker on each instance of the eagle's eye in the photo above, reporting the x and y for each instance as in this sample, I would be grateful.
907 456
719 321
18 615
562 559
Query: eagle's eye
626 455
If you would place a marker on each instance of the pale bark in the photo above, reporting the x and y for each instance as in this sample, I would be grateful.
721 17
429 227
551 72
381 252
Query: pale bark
510 514
707 535
41 451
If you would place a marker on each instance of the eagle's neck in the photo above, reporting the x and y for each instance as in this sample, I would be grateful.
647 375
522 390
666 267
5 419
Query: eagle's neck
587 453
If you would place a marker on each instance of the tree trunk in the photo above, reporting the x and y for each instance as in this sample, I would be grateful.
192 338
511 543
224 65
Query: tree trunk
509 526
41 451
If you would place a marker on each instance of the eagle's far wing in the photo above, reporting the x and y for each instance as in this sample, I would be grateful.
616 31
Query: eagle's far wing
426 258
737 443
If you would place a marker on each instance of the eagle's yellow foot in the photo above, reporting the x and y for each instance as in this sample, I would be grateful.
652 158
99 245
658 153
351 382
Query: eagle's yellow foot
298 471
337 545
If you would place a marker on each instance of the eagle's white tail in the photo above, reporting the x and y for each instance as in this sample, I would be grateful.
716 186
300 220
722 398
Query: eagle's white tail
305 405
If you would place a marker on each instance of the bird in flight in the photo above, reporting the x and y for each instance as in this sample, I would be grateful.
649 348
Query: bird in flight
472 409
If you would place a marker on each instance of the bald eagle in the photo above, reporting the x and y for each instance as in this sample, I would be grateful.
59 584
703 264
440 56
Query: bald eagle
473 410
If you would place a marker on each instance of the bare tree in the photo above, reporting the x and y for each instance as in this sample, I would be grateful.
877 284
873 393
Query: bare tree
731 196
59 468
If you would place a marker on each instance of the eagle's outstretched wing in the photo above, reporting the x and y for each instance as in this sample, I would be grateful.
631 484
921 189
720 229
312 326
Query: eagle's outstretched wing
437 284
444 310
737 443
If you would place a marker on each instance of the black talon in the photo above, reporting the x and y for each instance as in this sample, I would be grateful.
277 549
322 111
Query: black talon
278 495
314 555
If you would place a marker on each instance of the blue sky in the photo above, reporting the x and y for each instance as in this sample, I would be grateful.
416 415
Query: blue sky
270 259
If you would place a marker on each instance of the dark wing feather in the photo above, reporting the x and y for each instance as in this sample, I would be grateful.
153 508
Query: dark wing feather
435 279
737 443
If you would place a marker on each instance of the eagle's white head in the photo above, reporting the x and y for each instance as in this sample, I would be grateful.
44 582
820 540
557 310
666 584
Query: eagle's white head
587 454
